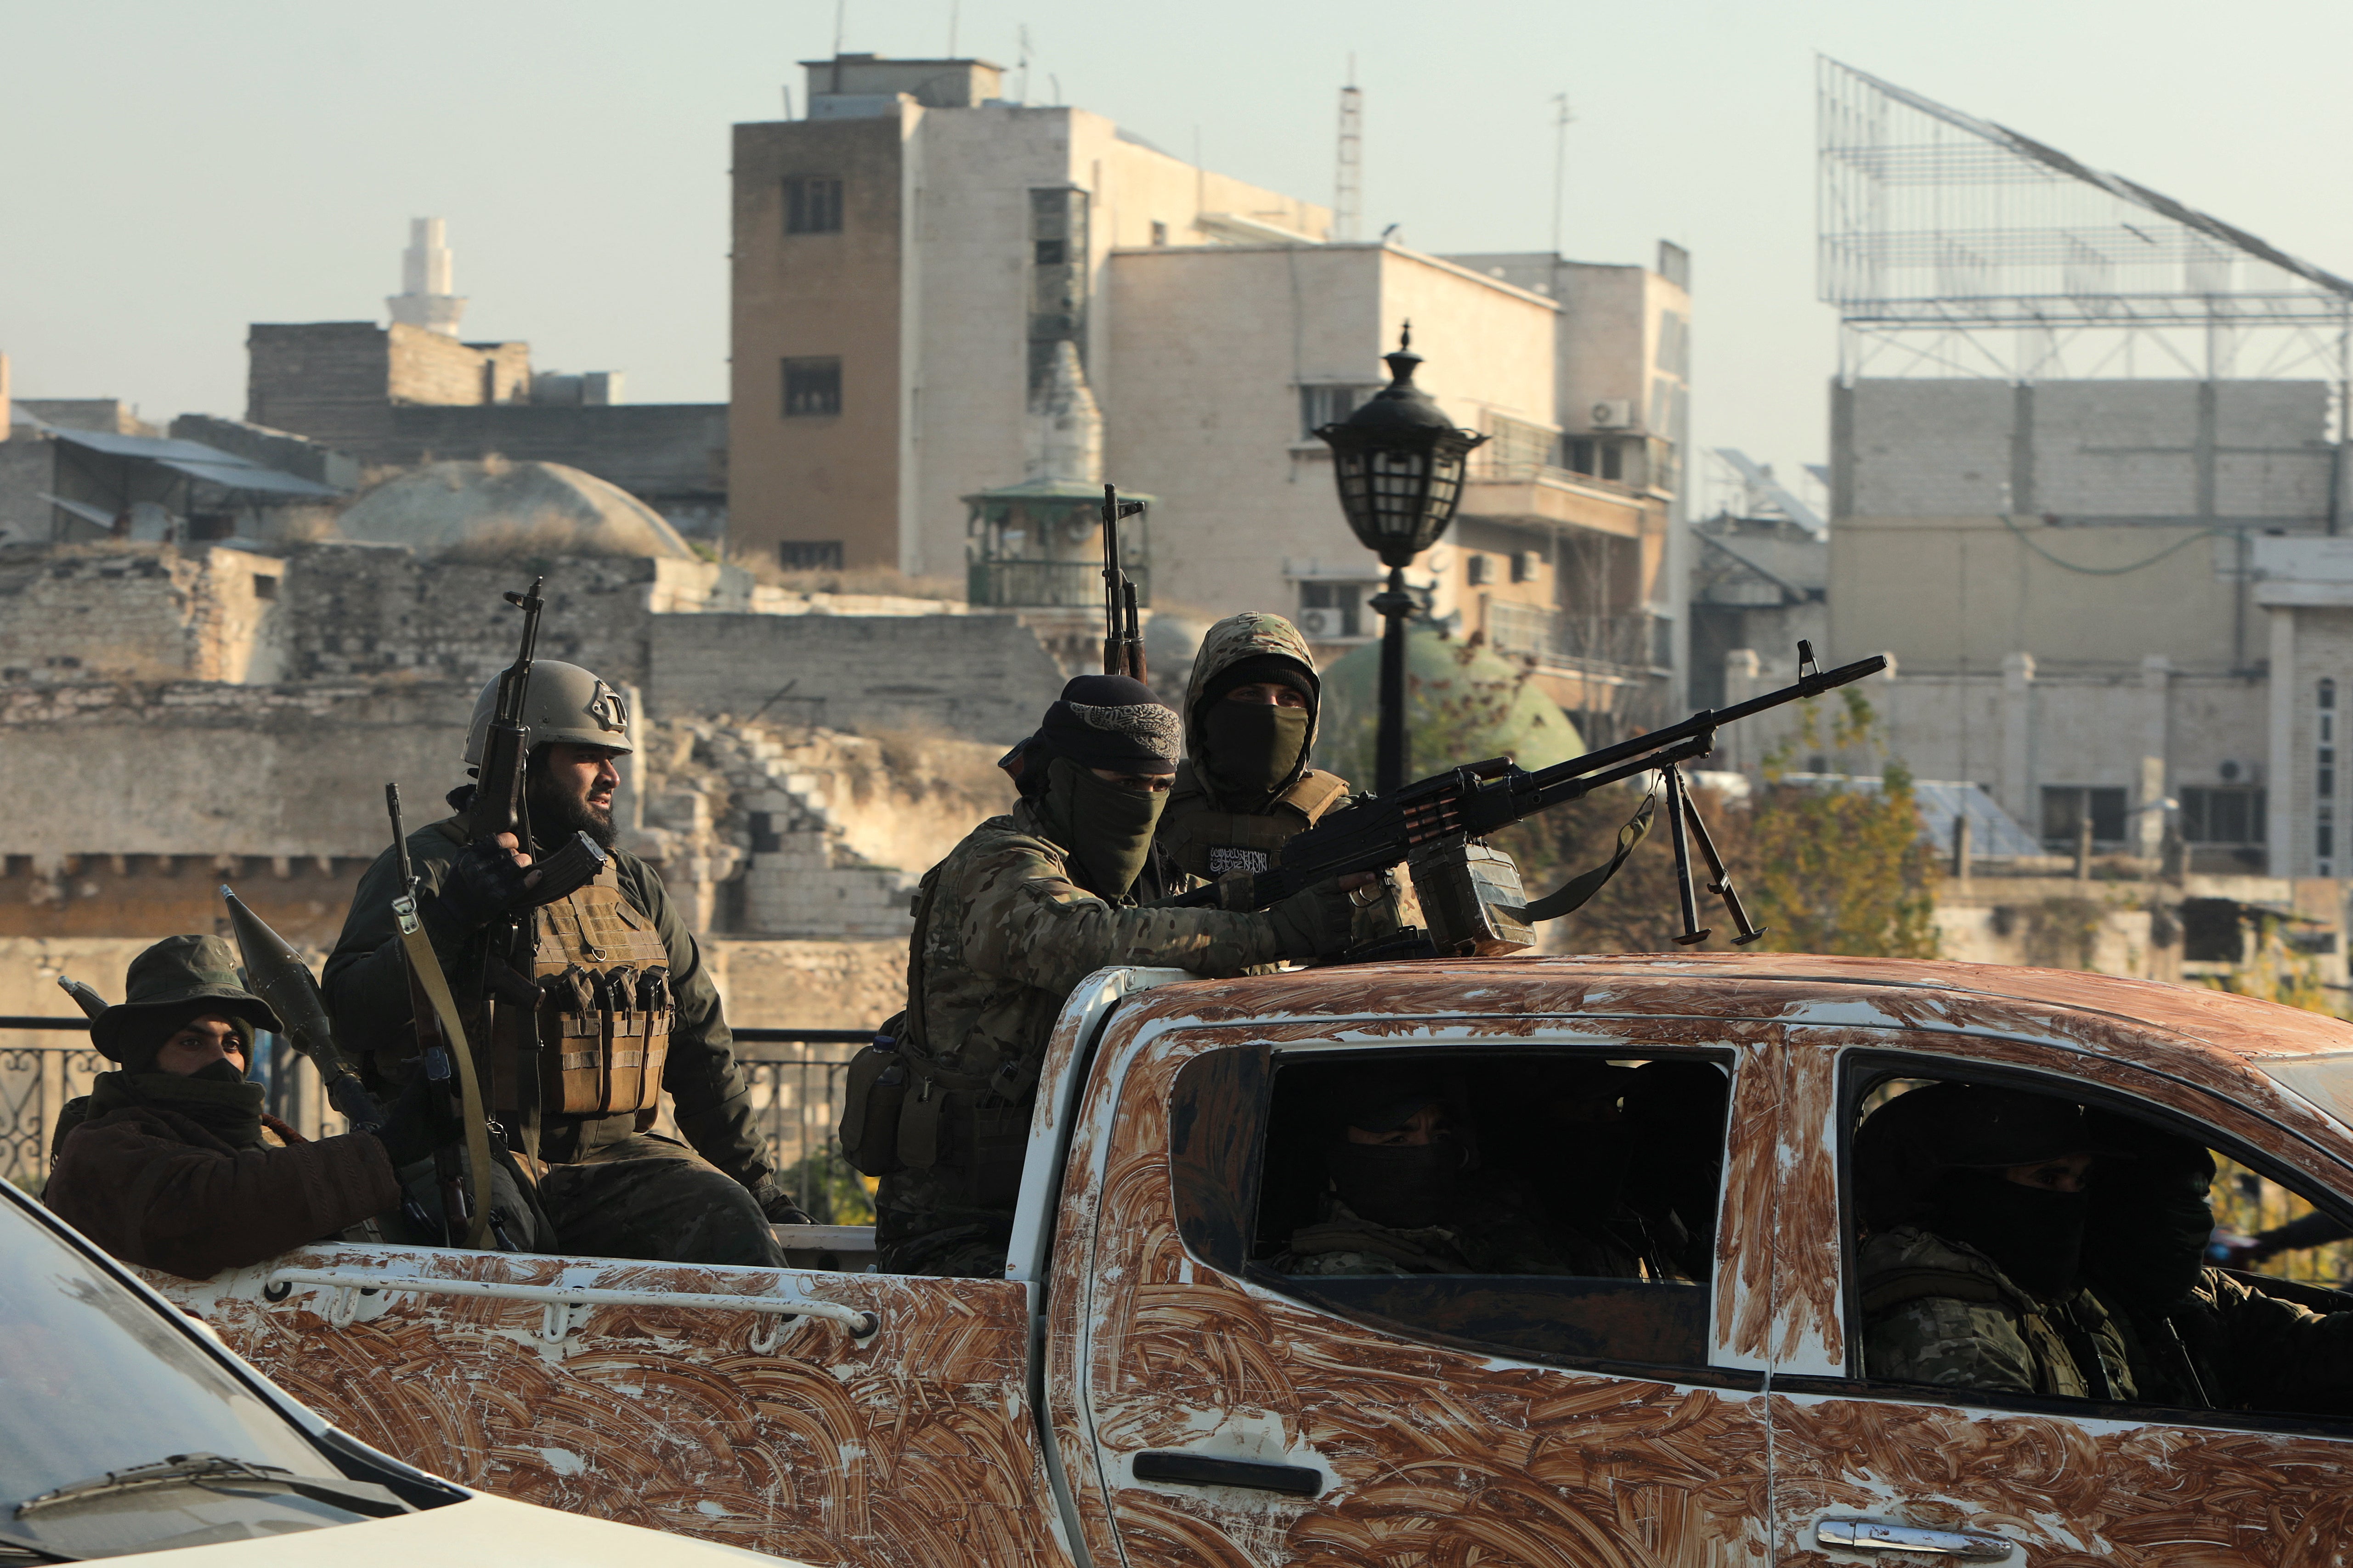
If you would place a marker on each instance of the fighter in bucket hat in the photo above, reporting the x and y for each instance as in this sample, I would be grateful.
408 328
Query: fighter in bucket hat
1028 905
170 1161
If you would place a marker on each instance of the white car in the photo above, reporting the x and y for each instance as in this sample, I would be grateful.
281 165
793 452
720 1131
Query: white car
127 1428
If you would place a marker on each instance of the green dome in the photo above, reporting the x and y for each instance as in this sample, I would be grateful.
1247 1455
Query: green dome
1463 704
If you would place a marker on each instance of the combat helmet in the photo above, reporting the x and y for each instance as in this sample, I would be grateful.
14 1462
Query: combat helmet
561 702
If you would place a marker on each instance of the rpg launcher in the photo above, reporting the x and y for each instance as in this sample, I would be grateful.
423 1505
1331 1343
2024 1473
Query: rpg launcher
1470 802
1122 641
501 803
276 973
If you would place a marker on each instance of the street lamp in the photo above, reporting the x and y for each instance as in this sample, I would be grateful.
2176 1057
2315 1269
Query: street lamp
1398 463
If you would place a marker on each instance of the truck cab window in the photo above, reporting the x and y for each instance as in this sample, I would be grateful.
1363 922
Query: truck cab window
1548 1203
2013 1241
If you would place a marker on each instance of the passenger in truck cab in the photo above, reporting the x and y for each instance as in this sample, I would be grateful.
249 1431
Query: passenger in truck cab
1972 1270
1408 1193
170 1161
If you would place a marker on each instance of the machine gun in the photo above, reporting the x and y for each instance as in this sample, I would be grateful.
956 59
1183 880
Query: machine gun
1458 808
1122 641
501 802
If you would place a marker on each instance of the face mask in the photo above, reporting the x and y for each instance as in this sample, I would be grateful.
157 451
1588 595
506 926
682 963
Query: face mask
1401 1185
2034 1234
2147 1244
1252 749
1108 825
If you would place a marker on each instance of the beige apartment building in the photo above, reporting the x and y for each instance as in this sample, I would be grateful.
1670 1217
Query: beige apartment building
955 316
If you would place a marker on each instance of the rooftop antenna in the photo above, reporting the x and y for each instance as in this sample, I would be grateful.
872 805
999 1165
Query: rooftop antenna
954 6
1347 180
1025 62
1560 163
838 7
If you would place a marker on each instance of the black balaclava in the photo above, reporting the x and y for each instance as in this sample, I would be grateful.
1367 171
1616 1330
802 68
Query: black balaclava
2150 1219
1115 724
2034 1234
1402 1186
1106 827
1252 751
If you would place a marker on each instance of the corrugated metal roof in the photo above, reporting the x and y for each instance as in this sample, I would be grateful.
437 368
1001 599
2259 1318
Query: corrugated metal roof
197 461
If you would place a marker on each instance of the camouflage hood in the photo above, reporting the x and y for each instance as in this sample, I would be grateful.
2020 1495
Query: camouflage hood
1253 633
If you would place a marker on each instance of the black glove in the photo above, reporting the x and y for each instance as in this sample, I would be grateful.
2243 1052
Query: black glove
483 884
1314 923
409 1129
780 1206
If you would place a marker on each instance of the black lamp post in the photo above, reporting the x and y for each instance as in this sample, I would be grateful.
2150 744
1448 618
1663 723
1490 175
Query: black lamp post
1398 463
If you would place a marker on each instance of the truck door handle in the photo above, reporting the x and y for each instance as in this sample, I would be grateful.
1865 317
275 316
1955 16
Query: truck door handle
1203 1471
1880 1535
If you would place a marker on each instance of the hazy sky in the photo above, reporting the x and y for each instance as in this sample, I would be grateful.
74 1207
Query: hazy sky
170 173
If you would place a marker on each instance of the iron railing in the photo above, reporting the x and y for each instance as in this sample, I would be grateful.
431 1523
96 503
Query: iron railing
794 1077
1047 584
1620 645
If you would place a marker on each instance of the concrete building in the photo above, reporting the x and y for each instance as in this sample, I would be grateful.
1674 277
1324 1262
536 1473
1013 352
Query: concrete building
412 392
914 260
2102 558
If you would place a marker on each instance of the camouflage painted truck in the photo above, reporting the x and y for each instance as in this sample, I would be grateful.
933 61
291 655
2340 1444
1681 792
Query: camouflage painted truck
1144 1387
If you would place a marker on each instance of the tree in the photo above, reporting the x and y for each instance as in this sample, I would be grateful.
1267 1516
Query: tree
1839 869
1822 869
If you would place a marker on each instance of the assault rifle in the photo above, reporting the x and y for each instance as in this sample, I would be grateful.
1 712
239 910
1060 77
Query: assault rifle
1122 643
501 802
1471 802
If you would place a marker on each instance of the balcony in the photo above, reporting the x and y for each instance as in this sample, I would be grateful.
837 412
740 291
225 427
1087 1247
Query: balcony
1620 648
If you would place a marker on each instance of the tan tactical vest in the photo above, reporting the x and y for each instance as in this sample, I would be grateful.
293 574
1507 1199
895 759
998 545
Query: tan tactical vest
604 1008
1208 843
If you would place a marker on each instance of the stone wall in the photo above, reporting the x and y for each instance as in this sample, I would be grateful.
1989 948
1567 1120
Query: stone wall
141 613
979 677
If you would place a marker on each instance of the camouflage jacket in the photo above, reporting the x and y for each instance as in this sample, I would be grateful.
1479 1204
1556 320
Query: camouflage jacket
2230 1347
1941 1312
1003 936
1498 1232
366 987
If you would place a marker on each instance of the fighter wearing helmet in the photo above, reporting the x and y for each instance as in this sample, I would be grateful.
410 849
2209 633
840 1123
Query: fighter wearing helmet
1244 788
619 999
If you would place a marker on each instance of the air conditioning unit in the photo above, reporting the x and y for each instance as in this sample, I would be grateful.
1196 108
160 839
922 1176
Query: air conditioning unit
1320 625
1525 564
1613 414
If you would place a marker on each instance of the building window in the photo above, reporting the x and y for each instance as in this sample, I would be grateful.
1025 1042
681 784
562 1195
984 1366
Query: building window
1577 455
1331 610
1159 233
812 204
2323 779
1329 405
2228 815
2065 808
1613 461
812 386
809 555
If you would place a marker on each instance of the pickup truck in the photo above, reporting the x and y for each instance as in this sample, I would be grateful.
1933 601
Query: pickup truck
1147 1385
